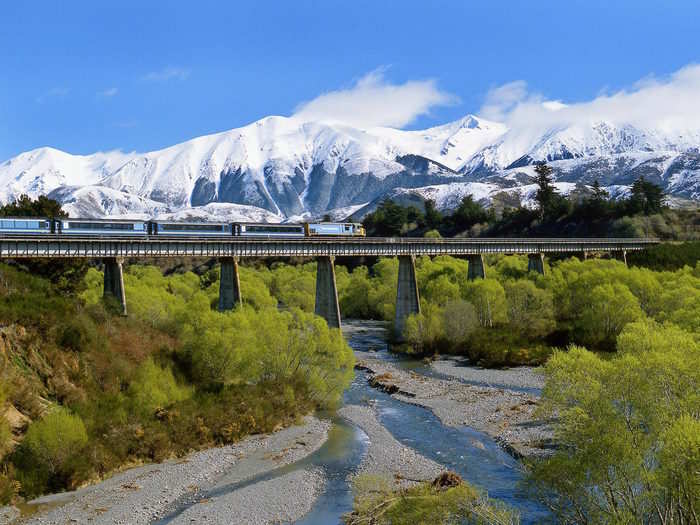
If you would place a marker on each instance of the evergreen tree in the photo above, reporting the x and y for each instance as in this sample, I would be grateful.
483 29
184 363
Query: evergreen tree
433 217
599 193
645 197
546 192
24 206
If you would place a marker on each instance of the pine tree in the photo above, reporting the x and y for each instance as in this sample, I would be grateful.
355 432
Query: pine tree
546 192
645 197
599 193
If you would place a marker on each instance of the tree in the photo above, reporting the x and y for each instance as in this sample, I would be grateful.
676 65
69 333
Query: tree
546 192
392 220
459 321
645 197
489 300
468 213
599 193
25 206
154 387
49 450
433 217
530 309
440 289
610 307
627 431
424 330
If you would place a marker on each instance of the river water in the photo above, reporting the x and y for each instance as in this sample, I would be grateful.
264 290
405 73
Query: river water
472 454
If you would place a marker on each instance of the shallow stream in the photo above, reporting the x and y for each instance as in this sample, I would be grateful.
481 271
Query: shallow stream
472 454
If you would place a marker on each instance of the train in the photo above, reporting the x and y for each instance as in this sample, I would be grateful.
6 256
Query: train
156 228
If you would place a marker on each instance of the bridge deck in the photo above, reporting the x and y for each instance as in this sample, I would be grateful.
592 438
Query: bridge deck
98 247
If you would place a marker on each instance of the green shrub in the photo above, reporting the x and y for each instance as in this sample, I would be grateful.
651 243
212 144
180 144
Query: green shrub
627 430
155 387
5 433
50 451
9 486
78 333
377 501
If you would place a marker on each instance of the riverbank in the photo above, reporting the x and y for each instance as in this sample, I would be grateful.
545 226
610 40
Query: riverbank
144 494
505 412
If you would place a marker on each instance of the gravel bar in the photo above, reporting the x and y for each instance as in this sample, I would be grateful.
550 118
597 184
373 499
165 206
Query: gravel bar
506 415
143 494
522 377
387 456
279 500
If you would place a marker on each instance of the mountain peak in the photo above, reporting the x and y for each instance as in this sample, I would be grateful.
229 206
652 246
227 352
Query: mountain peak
286 166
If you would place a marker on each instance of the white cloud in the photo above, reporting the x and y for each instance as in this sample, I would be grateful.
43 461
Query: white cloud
53 93
670 103
373 101
168 73
108 93
503 99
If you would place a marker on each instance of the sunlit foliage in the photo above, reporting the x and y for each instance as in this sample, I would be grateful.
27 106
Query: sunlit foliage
377 501
627 430
174 376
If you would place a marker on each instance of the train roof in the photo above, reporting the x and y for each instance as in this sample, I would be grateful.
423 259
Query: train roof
270 223
158 221
90 219
25 218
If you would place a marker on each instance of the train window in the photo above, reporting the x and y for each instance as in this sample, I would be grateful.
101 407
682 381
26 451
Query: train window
273 229
348 227
193 227
101 225
23 225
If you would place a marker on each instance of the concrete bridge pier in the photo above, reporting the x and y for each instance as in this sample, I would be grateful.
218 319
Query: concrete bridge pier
229 284
477 269
327 292
535 263
624 257
407 298
114 282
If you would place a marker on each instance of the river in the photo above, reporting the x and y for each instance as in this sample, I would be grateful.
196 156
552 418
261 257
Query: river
472 454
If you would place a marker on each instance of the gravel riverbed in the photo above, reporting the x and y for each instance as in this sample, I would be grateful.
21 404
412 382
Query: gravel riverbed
519 378
142 495
280 500
385 455
506 415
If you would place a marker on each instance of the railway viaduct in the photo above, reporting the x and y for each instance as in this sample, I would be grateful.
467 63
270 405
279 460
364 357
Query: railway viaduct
113 251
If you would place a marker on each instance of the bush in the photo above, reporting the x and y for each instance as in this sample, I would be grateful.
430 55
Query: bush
460 321
9 486
5 433
446 500
78 333
627 430
49 451
155 387
610 308
424 331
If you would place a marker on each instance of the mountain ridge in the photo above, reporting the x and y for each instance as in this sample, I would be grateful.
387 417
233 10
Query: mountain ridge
281 167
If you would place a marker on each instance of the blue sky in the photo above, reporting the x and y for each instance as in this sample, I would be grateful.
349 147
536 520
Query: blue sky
85 76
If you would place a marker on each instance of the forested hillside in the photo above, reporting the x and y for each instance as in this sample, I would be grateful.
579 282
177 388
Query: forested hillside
586 212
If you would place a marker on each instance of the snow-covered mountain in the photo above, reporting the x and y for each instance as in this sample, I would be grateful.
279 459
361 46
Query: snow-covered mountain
283 167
